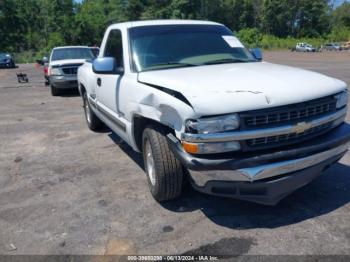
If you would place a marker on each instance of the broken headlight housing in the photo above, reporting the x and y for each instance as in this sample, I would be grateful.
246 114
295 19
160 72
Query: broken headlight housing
217 124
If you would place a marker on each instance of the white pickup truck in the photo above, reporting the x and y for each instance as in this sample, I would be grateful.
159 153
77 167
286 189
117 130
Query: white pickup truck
199 105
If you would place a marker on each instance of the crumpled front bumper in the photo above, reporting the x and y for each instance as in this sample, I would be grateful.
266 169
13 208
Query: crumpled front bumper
264 177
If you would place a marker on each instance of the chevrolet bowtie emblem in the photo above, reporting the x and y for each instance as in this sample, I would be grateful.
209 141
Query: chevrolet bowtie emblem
301 127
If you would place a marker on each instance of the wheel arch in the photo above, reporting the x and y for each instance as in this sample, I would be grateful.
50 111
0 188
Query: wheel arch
81 89
139 123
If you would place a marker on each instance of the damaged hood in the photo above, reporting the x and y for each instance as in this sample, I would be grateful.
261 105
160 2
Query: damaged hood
228 88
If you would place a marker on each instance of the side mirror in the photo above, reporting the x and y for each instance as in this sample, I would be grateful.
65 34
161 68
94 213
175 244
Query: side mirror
43 61
105 65
256 52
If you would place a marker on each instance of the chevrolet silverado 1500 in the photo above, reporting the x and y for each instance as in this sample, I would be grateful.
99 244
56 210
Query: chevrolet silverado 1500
197 103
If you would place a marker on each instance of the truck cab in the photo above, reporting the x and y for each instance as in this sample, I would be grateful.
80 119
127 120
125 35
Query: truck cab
200 106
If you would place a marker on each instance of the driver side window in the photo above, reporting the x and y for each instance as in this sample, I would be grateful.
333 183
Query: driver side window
114 46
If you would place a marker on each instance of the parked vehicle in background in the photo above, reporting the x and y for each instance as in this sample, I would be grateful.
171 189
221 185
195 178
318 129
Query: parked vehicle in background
46 74
95 50
194 100
304 47
6 60
45 63
63 65
346 46
332 47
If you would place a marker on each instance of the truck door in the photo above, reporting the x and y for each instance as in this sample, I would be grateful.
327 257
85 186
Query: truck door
107 86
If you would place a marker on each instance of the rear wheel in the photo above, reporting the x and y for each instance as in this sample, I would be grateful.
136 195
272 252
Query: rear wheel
164 171
93 122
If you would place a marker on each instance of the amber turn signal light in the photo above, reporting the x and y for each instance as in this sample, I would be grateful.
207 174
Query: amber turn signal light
190 147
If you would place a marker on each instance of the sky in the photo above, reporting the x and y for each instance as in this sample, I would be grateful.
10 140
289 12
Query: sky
341 1
337 2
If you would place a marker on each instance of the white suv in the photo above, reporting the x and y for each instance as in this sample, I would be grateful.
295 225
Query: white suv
63 66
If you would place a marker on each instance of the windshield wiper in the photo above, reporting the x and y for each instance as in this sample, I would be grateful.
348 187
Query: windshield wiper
177 64
226 61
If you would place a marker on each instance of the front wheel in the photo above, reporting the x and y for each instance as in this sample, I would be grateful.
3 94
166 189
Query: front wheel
54 91
164 171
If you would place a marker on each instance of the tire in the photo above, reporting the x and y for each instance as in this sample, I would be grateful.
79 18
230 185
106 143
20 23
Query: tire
54 91
164 171
93 122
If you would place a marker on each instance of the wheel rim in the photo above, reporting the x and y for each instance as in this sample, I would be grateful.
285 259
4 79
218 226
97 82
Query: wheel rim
150 162
87 110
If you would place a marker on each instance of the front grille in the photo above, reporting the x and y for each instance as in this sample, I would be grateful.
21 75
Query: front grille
70 70
289 138
288 114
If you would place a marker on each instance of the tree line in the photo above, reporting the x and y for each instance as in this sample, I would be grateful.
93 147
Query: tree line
38 25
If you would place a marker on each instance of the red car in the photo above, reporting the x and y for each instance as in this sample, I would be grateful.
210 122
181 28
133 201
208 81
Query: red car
46 74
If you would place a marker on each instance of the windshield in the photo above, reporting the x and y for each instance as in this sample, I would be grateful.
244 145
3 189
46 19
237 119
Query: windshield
170 46
95 51
4 55
71 53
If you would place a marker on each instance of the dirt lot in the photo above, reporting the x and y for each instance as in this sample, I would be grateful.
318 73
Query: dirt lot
67 190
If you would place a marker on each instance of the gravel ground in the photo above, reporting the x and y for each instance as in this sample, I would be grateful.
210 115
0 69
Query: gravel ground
67 190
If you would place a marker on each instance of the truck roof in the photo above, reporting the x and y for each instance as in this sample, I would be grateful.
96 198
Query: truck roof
163 22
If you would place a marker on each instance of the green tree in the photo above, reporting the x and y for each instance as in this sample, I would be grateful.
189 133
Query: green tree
38 25
251 37
157 9
313 18
341 15
90 22
295 18
55 39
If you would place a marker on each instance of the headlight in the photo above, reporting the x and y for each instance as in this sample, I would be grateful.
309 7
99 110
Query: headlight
213 124
342 99
55 71
209 148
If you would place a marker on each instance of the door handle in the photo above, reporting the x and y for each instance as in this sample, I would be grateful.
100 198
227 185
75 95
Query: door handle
99 81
